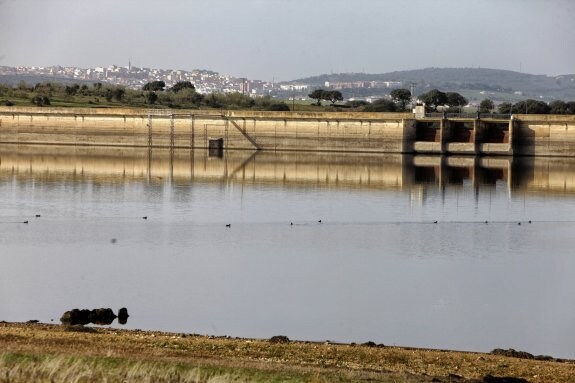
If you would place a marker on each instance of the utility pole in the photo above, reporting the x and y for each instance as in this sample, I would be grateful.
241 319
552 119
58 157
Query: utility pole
412 91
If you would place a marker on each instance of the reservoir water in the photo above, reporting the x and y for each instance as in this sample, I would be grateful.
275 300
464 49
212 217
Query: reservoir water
442 252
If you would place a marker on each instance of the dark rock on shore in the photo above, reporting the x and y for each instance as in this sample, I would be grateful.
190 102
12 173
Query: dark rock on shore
279 339
123 315
494 379
521 354
452 378
102 316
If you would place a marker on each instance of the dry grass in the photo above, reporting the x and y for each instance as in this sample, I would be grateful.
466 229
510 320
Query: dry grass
47 353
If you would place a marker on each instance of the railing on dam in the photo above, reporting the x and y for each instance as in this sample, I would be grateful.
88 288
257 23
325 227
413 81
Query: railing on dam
494 116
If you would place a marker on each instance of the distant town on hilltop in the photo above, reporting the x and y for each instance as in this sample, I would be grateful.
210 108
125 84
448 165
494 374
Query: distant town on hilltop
474 83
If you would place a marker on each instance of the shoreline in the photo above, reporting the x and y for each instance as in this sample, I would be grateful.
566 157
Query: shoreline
259 360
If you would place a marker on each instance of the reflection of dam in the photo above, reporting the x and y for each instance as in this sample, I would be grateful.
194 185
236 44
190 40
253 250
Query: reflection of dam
339 170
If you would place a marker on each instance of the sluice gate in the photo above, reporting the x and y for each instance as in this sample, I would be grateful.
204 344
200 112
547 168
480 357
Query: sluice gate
458 135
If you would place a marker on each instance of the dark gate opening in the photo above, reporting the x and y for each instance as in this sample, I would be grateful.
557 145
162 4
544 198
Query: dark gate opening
216 147
427 131
496 133
461 131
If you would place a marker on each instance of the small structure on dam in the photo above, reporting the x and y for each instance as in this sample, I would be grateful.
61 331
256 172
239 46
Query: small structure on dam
458 134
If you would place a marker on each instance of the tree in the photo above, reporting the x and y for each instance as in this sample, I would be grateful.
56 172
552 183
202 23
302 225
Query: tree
213 101
118 93
333 96
570 107
505 108
433 99
557 107
72 90
109 93
486 106
188 96
531 107
40 100
380 105
318 95
278 107
455 99
356 103
401 97
151 98
155 86
180 85
84 90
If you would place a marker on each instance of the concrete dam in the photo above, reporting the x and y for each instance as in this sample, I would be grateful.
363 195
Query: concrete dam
518 135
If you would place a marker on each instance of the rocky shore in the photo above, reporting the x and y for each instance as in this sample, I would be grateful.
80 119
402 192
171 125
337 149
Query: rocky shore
47 352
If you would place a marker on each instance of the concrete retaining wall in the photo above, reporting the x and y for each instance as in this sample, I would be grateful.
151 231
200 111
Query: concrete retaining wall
359 132
532 135
545 135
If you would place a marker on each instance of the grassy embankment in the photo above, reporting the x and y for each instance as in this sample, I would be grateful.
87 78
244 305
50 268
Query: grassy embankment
51 353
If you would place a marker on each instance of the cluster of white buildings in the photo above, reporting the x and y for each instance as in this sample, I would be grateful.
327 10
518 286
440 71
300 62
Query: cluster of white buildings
135 77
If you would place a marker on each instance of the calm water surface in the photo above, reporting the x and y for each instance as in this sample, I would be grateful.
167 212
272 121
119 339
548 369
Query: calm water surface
376 268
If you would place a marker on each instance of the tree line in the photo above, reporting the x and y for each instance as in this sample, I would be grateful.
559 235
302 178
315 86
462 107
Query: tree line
183 95
537 107
155 93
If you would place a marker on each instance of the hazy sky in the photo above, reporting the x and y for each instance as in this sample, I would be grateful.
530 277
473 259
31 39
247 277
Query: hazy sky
288 39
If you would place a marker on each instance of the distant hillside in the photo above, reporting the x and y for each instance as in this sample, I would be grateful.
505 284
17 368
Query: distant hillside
470 80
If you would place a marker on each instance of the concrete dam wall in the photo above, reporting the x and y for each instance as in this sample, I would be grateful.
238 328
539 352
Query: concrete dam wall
534 135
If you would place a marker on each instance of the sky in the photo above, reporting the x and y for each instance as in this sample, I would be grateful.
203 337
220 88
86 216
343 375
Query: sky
288 39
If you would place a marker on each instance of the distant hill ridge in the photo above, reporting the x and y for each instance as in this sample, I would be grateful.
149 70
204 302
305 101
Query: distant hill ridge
506 81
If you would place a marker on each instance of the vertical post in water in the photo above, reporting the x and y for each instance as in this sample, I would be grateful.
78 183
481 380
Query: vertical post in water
149 130
149 147
193 132
172 131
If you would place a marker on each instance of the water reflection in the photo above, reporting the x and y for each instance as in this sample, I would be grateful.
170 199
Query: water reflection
415 174
377 268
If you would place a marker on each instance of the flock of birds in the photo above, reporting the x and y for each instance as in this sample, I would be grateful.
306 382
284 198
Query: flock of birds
229 225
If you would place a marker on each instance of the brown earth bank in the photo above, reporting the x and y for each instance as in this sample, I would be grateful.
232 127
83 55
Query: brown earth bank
51 353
